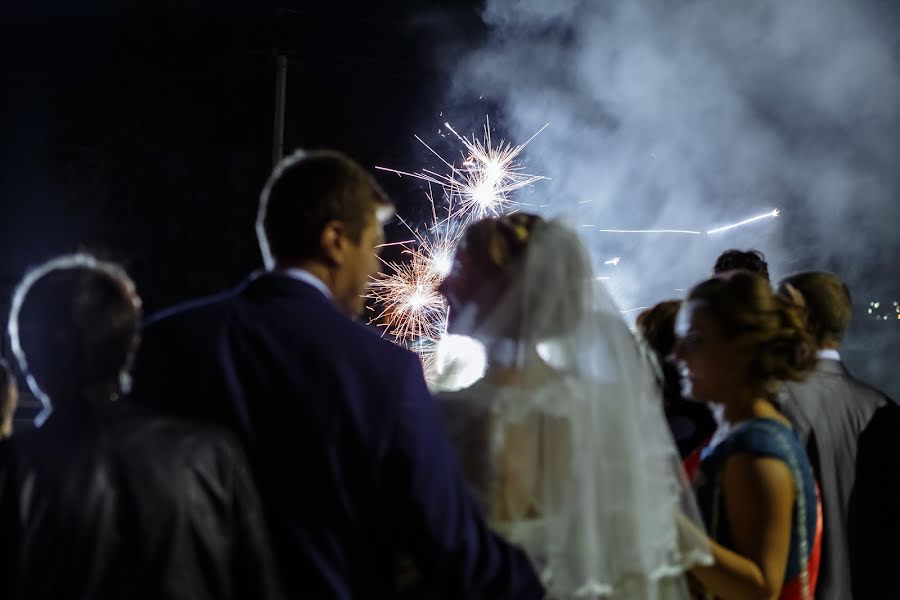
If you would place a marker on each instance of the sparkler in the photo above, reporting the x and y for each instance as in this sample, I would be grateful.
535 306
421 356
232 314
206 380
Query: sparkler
488 174
412 310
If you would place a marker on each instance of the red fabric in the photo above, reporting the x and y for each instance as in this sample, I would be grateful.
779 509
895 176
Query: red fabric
691 462
791 590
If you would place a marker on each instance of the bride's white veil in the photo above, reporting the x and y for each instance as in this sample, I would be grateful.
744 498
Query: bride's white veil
609 477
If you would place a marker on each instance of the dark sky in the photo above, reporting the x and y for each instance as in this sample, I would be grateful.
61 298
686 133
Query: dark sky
142 131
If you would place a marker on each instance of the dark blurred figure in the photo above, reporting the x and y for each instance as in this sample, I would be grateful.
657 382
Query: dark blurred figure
742 260
346 442
851 433
9 399
692 423
100 502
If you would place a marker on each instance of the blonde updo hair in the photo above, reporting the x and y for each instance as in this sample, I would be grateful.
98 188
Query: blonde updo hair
745 306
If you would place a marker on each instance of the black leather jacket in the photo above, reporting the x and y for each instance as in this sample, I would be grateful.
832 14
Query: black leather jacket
117 505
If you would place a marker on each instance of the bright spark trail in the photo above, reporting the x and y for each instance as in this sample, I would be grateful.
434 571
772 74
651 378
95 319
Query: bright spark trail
684 231
768 215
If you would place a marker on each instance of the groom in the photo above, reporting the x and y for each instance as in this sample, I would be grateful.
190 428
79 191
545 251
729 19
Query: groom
347 447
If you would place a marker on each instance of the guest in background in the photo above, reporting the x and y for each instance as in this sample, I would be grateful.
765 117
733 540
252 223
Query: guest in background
9 399
839 419
753 261
102 502
691 423
737 341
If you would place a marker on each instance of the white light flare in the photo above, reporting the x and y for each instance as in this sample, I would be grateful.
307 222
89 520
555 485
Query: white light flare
768 215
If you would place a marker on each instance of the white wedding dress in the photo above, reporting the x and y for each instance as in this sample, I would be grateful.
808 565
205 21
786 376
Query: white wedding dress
571 457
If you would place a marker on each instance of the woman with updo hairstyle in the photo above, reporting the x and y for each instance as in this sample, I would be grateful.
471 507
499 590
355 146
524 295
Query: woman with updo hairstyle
563 439
737 341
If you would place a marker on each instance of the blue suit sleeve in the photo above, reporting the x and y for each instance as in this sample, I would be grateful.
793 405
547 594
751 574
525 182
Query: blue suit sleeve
433 508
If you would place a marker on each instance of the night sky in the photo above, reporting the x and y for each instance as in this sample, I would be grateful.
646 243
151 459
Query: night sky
143 131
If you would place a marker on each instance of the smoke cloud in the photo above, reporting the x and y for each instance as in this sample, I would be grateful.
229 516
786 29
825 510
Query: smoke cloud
695 114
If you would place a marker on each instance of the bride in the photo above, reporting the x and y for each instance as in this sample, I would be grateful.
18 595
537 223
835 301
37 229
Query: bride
563 439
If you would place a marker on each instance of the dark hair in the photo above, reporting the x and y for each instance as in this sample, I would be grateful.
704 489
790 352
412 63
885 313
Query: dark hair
742 260
74 325
827 300
657 327
744 305
305 192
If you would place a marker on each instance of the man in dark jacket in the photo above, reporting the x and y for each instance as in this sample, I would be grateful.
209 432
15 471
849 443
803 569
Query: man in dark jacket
100 502
843 422
346 443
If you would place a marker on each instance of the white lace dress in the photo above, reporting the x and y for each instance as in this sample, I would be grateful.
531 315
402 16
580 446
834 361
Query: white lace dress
523 453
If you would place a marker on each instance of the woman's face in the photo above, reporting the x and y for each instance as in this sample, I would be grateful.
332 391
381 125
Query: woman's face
714 366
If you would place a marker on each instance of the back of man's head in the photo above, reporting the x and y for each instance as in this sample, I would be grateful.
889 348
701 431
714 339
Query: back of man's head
74 328
742 260
828 304
306 191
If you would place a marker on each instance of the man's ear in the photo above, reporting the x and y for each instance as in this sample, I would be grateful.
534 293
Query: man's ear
333 242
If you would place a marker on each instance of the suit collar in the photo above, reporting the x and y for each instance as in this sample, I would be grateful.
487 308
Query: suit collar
271 283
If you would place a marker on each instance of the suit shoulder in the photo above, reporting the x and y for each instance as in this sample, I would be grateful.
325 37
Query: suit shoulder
872 394
368 340
190 311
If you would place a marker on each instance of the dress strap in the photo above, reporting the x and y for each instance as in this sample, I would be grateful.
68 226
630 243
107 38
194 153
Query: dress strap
802 533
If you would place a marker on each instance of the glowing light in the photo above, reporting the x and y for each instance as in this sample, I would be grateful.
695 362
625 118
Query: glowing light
684 231
488 174
768 215
412 309
459 361
409 307
875 305
614 261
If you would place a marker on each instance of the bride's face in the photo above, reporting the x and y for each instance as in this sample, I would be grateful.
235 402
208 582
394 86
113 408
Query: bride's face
714 366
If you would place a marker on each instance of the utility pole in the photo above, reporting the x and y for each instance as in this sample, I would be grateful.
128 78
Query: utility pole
280 90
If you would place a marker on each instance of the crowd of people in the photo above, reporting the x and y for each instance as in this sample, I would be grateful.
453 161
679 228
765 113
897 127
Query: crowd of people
264 443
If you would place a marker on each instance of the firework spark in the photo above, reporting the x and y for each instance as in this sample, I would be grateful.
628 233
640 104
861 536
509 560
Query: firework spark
412 309
482 184
768 215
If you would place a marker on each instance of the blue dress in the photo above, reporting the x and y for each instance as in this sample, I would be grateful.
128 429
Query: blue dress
765 438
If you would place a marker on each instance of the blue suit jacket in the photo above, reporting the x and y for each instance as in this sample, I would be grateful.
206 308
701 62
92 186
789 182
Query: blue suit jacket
346 442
